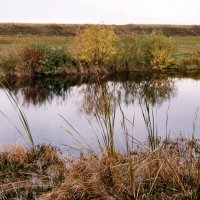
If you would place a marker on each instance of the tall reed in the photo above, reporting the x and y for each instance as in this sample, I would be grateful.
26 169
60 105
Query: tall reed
150 123
26 134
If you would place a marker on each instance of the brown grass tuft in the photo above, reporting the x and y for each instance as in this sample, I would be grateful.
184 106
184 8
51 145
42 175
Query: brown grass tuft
16 153
26 173
166 173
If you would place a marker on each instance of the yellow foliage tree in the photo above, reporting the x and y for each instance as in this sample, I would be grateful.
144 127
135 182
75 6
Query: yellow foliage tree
96 44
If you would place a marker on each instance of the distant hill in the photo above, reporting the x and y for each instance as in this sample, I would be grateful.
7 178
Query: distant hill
70 29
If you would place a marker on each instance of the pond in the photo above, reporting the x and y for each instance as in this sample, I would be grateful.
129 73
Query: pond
170 102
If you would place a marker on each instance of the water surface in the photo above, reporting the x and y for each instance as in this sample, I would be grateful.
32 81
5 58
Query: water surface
172 101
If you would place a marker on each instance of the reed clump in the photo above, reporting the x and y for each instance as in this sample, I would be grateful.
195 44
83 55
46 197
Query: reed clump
165 173
171 170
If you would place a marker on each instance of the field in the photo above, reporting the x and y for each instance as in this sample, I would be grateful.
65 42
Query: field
185 44
185 38
12 42
18 39
70 29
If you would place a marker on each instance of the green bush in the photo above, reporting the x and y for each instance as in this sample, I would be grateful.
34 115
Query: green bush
144 52
42 58
55 58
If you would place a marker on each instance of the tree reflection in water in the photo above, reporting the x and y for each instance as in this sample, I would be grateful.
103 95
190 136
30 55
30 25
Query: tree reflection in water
113 90
151 90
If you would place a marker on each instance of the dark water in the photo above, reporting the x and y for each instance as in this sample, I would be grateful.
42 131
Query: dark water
172 101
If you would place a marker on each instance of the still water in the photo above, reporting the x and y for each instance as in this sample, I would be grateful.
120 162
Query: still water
173 104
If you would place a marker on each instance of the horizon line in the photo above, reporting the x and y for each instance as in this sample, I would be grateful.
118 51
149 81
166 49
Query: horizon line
118 24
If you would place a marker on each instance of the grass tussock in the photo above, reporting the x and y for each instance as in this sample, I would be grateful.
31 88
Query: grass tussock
171 171
24 173
161 174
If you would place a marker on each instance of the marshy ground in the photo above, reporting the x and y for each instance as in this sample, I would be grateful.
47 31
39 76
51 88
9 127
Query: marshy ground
170 171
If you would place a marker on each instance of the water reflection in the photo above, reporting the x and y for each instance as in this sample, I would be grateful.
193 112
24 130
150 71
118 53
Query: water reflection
77 98
126 89
40 91
152 90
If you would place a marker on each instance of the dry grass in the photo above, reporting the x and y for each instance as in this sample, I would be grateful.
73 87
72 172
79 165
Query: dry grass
12 42
26 173
171 171
166 173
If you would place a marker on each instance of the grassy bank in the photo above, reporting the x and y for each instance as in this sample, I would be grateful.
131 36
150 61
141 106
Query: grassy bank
107 53
171 171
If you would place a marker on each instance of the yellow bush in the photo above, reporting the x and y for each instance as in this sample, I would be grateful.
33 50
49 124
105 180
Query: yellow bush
96 44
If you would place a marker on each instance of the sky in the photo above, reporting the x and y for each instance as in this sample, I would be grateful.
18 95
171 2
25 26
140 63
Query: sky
101 11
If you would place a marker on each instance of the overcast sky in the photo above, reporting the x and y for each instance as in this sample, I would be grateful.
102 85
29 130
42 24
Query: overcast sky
101 11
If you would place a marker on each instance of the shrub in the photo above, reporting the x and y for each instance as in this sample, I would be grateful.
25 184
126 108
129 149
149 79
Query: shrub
41 58
126 48
96 44
55 58
31 57
145 51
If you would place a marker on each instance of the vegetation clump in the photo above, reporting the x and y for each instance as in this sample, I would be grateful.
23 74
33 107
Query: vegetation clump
96 45
25 173
42 58
165 173
145 52
171 171
35 59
